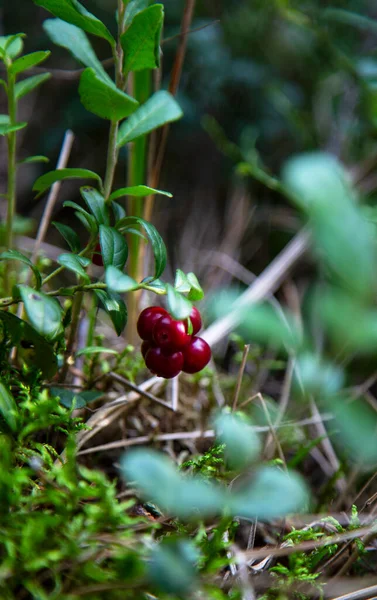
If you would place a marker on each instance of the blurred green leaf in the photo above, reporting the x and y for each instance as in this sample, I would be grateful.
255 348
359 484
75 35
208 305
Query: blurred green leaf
355 429
45 181
37 158
172 566
114 248
141 40
156 241
117 281
72 263
6 127
8 408
242 444
181 283
69 235
68 397
103 98
15 255
344 239
75 13
179 306
96 203
196 293
28 85
40 352
270 494
159 481
27 61
95 350
75 40
115 307
161 108
44 312
137 190
316 377
12 44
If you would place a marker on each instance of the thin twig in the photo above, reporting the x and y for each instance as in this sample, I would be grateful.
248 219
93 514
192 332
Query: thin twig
240 375
137 389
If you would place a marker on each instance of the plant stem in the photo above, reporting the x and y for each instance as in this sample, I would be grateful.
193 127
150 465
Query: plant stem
112 157
11 192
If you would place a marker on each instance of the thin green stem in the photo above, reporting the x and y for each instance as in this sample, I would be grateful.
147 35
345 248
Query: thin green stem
112 158
63 291
11 192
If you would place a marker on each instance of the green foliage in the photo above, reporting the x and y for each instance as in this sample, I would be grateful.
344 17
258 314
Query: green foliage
103 98
141 40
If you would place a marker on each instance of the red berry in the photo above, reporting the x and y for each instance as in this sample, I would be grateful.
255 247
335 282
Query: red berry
163 364
196 320
97 256
145 346
147 320
170 334
196 355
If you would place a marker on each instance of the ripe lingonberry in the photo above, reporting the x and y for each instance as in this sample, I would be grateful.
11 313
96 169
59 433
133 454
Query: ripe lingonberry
163 364
170 334
145 346
196 320
196 355
147 320
97 256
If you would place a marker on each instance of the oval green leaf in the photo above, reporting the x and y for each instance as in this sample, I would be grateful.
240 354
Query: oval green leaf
114 305
156 241
28 85
139 191
117 281
72 263
29 60
141 40
44 312
114 248
96 203
48 179
103 98
179 306
15 255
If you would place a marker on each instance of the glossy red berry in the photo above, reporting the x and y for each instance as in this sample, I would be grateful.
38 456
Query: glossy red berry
196 320
97 256
147 320
196 355
145 346
164 364
169 334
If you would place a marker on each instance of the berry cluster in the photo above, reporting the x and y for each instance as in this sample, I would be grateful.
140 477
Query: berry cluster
167 346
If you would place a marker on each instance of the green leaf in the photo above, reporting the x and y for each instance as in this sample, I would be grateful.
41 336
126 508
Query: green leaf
270 494
27 61
75 13
160 109
6 127
355 429
316 377
44 312
67 397
103 98
343 237
181 283
156 241
139 191
69 235
15 255
45 181
8 408
179 306
114 306
88 220
159 481
72 262
118 211
28 85
95 350
117 281
349 18
196 293
113 247
76 42
260 323
12 44
242 444
96 203
40 353
141 41
133 8
34 159
172 566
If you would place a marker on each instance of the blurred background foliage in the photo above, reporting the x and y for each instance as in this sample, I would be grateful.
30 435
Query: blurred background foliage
278 77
